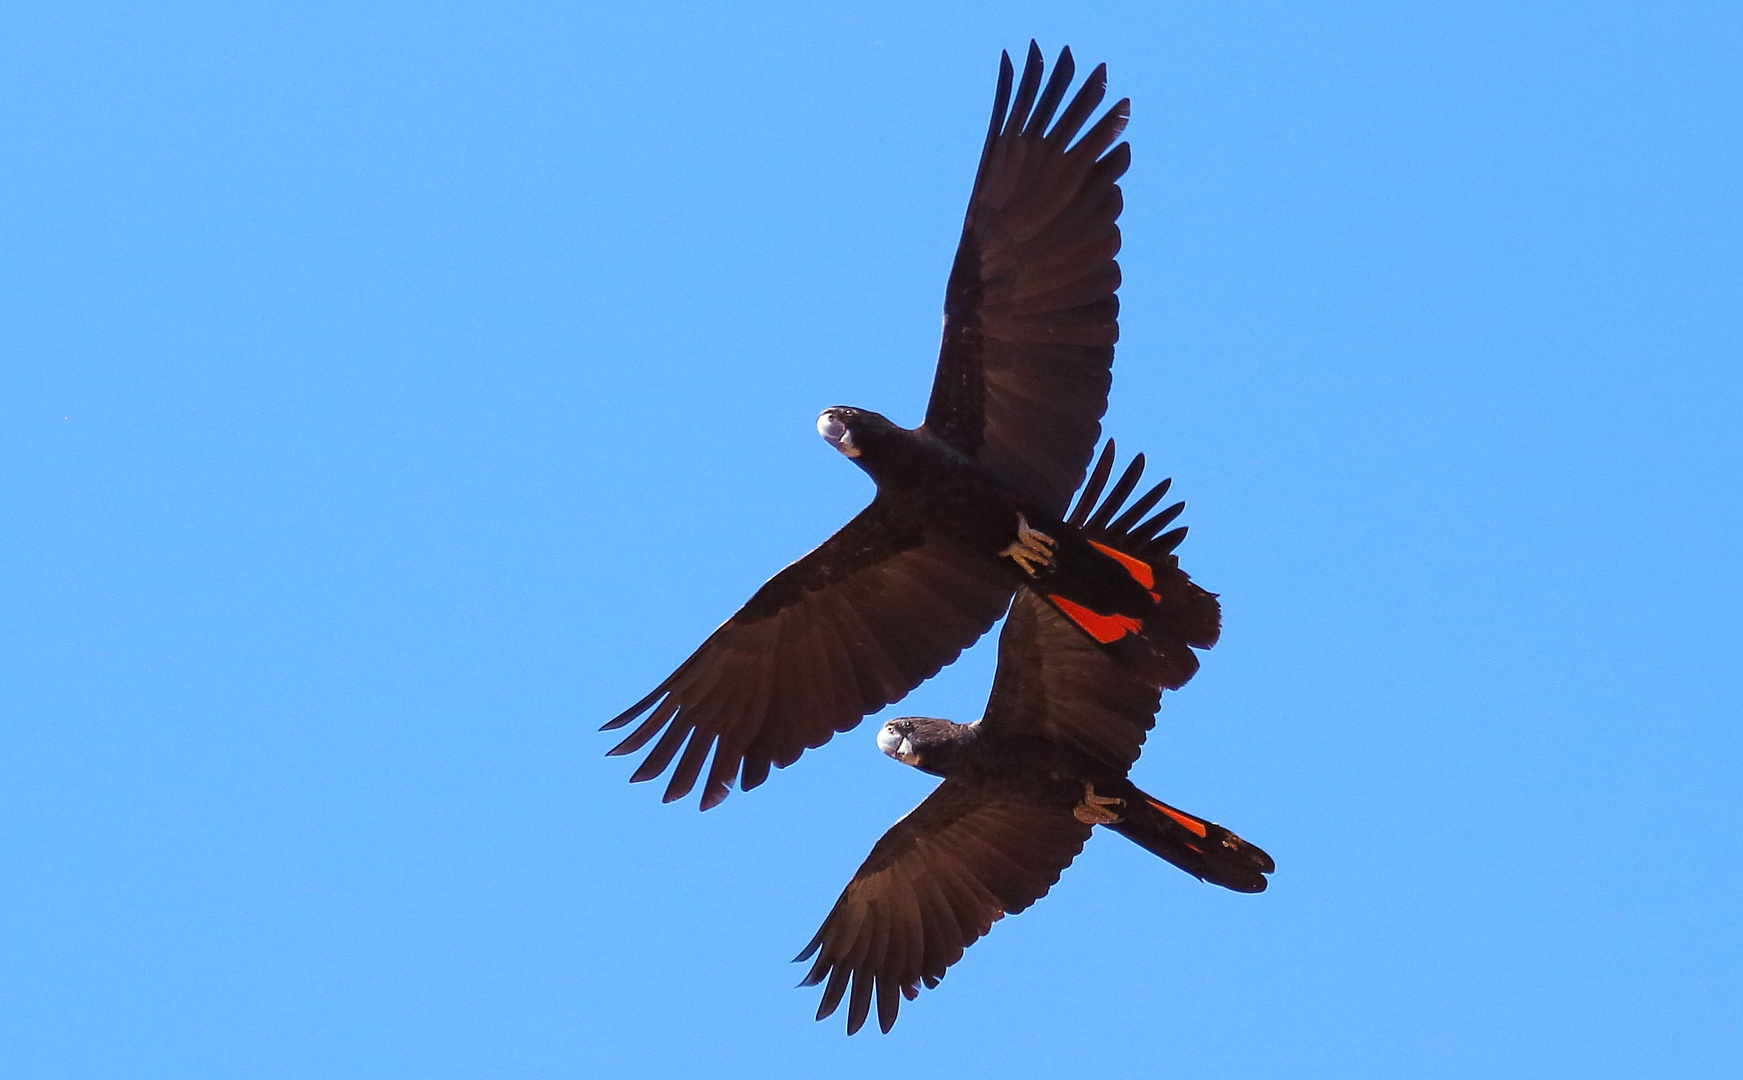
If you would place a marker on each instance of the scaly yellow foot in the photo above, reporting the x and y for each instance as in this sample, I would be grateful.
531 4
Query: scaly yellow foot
1032 550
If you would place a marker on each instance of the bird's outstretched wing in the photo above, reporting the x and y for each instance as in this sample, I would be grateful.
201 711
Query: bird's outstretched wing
933 885
1055 683
856 624
1030 315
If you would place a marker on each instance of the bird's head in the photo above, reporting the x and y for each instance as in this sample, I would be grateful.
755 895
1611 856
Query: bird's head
852 431
920 741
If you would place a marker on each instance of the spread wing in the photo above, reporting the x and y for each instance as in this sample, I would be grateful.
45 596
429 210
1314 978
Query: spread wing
1030 315
849 628
932 886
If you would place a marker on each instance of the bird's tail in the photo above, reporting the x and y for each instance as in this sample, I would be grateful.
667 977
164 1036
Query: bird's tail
1202 848
1184 616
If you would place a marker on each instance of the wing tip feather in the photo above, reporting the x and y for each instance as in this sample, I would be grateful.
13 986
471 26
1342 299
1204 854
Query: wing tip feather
637 709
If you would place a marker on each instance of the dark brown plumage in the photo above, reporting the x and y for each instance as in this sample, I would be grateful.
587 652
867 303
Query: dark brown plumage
1030 312
968 505
1063 725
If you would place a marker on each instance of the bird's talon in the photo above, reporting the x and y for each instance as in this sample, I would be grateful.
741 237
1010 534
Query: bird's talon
1024 558
1098 809
1032 550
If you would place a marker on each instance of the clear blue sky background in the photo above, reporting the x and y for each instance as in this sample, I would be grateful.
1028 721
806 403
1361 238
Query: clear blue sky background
389 394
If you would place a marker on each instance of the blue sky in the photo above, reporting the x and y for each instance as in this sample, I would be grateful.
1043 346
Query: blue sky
391 394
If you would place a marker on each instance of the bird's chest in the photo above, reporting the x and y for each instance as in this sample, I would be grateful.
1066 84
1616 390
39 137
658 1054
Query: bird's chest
1039 769
963 505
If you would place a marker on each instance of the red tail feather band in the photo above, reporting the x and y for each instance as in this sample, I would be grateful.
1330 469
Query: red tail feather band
1104 628
1138 568
1191 823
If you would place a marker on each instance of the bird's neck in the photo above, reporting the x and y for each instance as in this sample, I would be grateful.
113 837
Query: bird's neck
948 756
904 458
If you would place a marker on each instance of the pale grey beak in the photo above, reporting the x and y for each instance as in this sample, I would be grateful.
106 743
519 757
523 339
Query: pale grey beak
896 746
835 433
888 740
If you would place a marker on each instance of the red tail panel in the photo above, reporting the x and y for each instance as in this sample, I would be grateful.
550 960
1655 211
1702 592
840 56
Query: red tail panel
1185 820
1138 568
1104 628
1202 848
